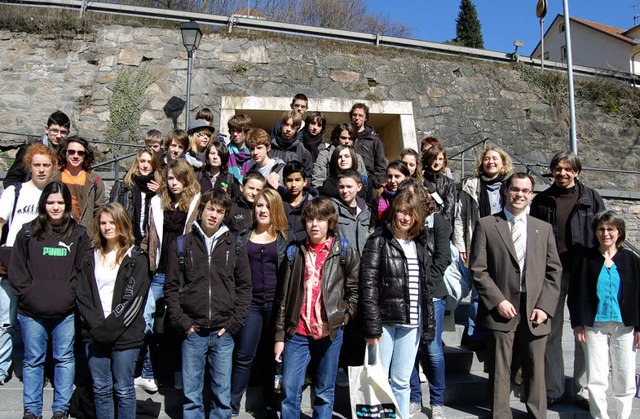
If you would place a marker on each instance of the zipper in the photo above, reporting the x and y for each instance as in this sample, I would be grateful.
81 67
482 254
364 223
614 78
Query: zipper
210 291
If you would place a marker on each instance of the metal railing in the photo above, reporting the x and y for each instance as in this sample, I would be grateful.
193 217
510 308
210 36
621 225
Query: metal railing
235 21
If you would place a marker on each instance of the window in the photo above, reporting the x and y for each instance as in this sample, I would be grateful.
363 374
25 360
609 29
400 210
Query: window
561 28
563 53
546 55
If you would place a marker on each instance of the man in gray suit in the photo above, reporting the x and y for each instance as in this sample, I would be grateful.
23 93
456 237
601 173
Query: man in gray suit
516 270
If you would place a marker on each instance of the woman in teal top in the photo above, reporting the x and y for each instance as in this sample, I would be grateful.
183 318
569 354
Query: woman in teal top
604 302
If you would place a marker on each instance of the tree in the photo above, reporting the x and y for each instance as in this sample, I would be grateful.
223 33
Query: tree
468 28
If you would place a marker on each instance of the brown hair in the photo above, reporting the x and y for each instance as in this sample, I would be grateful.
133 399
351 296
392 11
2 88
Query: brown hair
293 115
180 136
240 122
185 174
124 229
409 202
321 208
431 155
279 220
613 219
256 137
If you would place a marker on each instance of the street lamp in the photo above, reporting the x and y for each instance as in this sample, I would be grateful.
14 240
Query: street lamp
191 36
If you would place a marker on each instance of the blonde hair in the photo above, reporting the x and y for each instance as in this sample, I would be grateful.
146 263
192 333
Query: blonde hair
193 139
135 171
507 165
185 174
278 217
124 230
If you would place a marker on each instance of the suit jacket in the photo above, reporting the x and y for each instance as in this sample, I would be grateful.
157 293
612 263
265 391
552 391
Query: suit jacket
496 273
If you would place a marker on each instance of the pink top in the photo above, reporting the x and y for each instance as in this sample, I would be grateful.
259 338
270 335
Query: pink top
313 319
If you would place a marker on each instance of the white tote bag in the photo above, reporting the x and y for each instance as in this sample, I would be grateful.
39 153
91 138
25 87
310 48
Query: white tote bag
370 392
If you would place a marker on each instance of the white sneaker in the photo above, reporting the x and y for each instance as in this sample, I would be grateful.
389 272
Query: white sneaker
414 408
437 412
147 384
423 378
342 379
177 380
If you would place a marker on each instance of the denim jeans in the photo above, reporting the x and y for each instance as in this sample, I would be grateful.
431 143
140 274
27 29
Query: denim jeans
398 349
257 325
198 349
155 293
323 354
36 332
8 323
473 332
431 357
112 370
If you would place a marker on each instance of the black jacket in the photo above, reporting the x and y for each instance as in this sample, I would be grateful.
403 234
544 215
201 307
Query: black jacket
217 287
438 241
123 194
124 327
583 298
580 235
446 189
239 217
384 285
289 151
369 146
339 290
43 273
294 217
227 182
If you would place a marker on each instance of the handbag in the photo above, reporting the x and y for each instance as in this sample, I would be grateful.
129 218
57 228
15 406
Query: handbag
370 391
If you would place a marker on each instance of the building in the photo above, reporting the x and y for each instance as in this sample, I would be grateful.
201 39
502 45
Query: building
593 45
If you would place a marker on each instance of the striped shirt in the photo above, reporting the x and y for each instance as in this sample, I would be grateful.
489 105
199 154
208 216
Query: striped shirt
413 269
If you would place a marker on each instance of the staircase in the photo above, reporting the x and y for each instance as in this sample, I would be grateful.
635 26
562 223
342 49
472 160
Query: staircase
467 393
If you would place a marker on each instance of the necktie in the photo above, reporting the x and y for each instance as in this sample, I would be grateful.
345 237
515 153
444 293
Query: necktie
517 235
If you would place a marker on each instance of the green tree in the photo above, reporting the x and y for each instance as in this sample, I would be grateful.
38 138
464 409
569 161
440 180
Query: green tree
468 28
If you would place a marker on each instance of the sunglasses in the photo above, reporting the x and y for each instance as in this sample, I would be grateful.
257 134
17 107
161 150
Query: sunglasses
80 153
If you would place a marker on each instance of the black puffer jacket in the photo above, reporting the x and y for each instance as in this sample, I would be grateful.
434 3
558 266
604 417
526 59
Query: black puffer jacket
370 147
384 286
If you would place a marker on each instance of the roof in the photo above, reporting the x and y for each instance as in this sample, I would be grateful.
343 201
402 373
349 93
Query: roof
612 31
609 30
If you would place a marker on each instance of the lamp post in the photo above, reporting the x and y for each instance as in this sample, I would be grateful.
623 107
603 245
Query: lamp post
191 36
573 141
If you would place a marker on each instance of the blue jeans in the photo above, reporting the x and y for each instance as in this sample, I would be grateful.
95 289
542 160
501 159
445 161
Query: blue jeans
198 349
112 369
8 323
324 355
431 357
36 332
155 293
257 325
474 333
398 348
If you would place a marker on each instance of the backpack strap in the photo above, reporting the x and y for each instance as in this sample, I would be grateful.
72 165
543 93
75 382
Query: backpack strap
181 261
343 252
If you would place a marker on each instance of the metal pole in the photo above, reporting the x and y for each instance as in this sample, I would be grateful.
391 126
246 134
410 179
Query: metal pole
572 105
186 113
542 43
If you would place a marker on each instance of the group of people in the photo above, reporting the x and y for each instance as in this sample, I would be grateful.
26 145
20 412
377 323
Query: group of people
283 253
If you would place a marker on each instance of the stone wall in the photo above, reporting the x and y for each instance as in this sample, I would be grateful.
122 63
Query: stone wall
457 100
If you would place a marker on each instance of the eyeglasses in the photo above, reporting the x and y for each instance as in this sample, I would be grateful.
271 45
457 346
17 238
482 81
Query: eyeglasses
80 153
609 230
203 134
62 132
516 191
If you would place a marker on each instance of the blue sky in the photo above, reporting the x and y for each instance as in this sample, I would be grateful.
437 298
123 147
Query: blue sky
503 21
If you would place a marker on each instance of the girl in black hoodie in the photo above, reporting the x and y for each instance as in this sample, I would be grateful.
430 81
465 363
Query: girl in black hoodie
112 292
44 265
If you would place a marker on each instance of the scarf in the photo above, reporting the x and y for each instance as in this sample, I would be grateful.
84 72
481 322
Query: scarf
486 184
237 158
140 186
312 143
384 205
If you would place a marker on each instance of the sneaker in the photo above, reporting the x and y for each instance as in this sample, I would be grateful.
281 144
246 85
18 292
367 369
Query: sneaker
437 412
177 380
147 384
342 379
414 408
3 379
59 415
29 415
